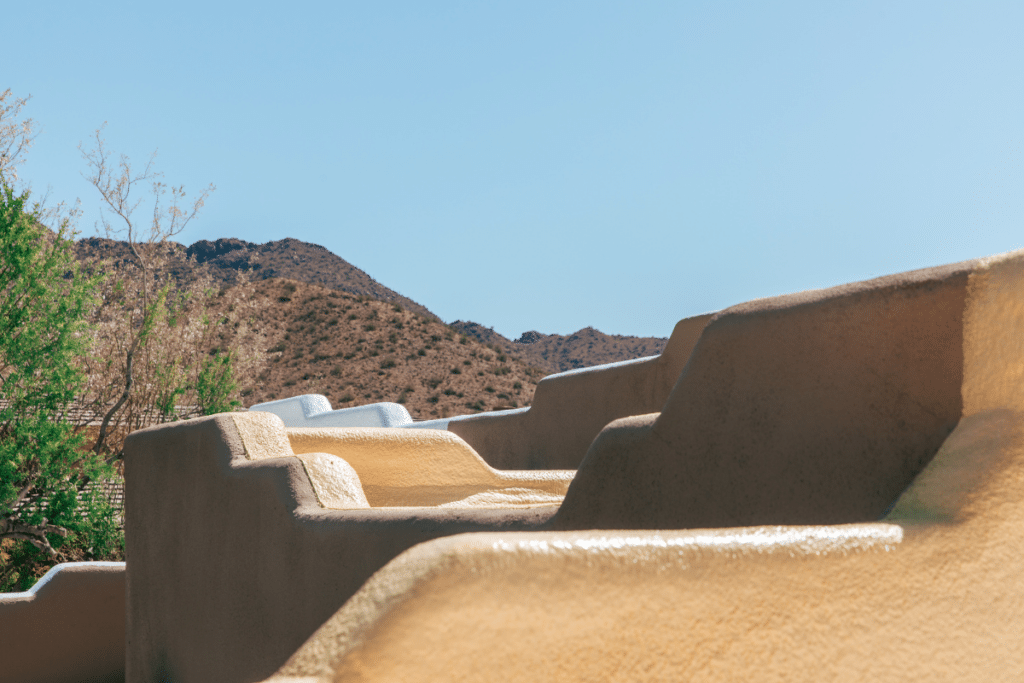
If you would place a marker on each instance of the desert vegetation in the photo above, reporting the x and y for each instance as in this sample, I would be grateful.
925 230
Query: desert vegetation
109 334
48 511
90 351
142 333
357 350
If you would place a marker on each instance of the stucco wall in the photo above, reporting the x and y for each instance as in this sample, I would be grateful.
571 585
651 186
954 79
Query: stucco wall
932 593
403 468
68 628
818 407
814 408
232 561
569 409
314 410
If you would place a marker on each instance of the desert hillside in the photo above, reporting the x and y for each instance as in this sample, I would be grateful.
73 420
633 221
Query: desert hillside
357 350
332 329
561 352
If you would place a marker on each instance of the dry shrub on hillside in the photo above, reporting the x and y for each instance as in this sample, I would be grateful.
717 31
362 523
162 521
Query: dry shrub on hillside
195 334
152 359
357 350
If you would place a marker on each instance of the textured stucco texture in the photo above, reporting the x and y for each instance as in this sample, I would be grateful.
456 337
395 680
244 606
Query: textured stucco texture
403 468
234 555
818 407
932 592
833 489
69 628
569 409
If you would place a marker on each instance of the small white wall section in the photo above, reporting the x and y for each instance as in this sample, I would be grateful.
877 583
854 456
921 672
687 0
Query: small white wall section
599 368
314 410
52 574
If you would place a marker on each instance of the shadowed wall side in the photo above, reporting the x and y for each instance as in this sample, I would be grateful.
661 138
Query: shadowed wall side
570 409
818 407
68 629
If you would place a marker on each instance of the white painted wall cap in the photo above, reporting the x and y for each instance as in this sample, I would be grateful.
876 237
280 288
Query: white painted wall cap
599 368
53 572
314 410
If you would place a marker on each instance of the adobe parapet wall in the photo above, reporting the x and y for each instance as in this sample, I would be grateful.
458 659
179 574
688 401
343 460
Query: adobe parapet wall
314 410
569 409
812 409
817 407
68 628
930 593
567 412
234 561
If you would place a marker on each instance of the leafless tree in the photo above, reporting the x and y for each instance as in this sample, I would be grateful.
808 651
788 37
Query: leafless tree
123 191
15 136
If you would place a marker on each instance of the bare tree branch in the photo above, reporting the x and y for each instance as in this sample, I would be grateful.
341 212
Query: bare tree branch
15 136
33 533
33 475
118 189
129 381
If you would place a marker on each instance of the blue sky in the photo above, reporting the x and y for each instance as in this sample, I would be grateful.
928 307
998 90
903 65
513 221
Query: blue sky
553 165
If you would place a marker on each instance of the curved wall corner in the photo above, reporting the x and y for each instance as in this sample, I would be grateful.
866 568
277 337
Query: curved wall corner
818 407
314 410
569 409
69 628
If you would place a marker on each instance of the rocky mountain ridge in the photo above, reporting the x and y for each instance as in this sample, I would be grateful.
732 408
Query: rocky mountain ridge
288 258
298 261
357 350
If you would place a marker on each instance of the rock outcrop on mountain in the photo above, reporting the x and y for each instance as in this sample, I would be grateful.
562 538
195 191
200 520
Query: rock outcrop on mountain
288 258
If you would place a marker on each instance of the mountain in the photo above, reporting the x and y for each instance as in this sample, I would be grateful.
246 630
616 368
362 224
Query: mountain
330 328
357 350
558 353
287 258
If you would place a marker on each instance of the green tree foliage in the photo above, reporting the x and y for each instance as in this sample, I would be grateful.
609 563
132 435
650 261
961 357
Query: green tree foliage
215 385
190 347
131 347
47 514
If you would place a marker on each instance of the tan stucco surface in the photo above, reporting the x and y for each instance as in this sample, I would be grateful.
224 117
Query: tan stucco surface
794 419
817 407
70 630
933 592
567 606
403 467
233 561
569 409
335 483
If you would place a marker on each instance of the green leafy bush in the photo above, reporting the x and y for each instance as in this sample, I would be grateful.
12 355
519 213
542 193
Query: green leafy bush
48 514
215 385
